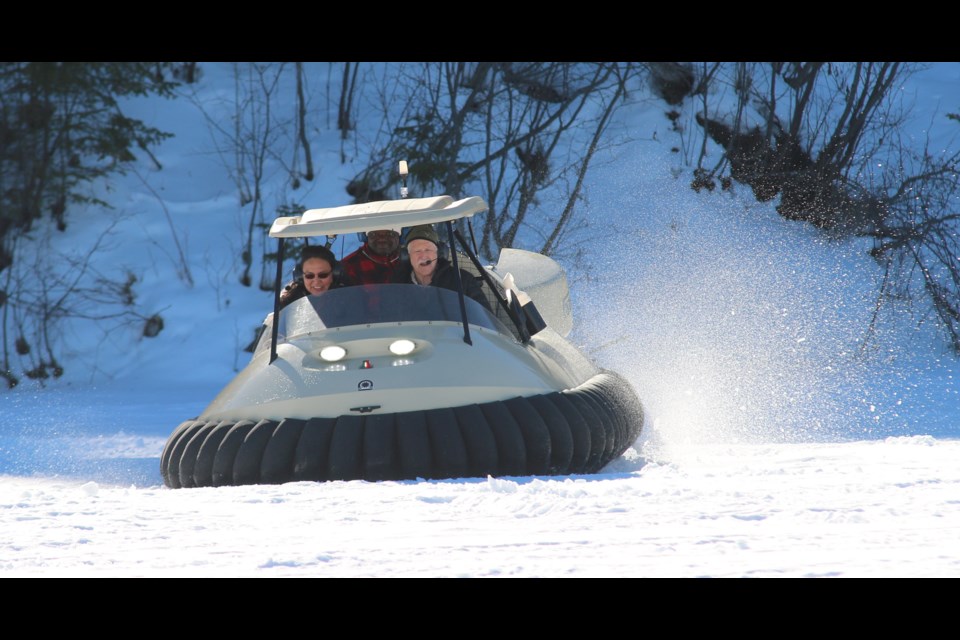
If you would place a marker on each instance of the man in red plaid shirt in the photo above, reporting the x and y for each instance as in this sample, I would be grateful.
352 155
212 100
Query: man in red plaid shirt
375 261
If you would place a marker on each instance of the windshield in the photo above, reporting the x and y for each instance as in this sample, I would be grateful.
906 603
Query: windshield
373 304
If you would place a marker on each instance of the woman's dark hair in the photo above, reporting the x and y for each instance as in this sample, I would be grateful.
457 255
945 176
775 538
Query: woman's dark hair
317 251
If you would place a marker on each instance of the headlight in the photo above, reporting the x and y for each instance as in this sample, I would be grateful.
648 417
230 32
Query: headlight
402 347
333 353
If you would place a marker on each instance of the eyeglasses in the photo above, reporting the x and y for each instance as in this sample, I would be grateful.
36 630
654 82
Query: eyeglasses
311 276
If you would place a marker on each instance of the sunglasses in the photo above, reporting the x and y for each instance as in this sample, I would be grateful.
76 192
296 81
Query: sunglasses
311 276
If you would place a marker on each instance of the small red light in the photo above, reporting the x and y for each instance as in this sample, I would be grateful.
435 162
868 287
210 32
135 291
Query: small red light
366 365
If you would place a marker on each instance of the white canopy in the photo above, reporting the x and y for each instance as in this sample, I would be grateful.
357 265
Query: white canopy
370 216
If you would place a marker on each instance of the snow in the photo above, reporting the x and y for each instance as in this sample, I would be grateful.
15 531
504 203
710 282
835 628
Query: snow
778 443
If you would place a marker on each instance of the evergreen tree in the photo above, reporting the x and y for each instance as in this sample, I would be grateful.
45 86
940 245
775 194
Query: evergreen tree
61 129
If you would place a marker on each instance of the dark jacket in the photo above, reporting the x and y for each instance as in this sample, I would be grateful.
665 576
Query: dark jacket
444 276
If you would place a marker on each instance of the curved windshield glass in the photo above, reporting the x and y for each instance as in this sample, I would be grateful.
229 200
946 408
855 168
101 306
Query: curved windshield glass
379 303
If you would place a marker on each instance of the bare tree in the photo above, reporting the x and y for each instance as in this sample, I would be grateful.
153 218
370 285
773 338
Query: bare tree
39 308
829 146
303 143
505 129
612 102
918 240
245 147
180 263
345 107
833 118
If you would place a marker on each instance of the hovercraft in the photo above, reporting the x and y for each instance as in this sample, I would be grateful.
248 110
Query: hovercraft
403 382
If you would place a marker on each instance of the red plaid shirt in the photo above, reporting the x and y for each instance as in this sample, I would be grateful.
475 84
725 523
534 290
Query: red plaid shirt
363 266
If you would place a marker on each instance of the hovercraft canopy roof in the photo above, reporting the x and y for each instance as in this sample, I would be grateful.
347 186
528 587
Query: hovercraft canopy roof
370 216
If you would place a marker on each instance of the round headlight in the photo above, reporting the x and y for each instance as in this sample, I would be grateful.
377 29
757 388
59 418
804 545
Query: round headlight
333 353
402 347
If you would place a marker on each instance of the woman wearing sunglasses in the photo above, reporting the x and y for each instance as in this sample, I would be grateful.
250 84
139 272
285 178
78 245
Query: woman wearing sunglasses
317 272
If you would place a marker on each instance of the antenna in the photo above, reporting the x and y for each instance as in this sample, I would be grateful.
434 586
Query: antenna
403 179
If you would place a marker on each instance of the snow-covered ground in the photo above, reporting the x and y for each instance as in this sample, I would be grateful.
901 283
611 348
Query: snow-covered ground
777 444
